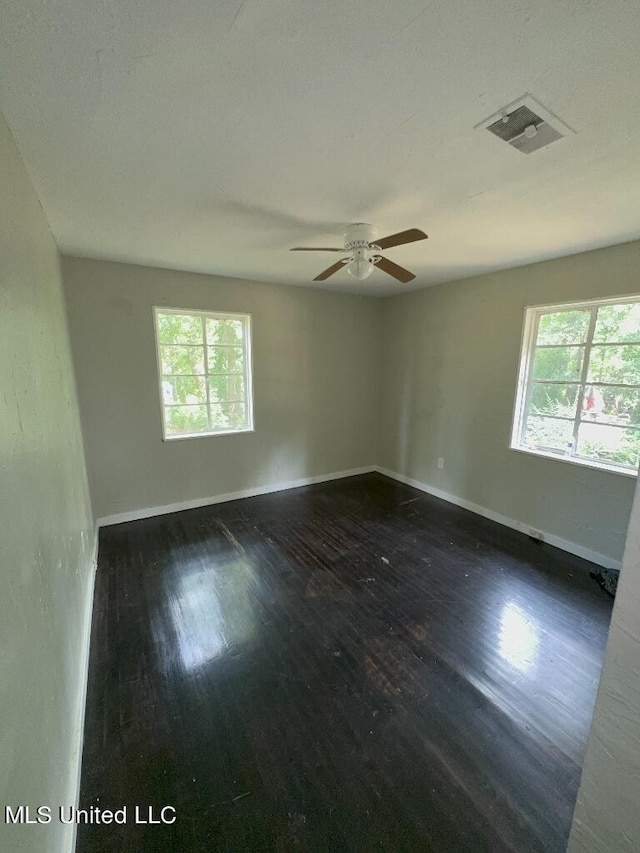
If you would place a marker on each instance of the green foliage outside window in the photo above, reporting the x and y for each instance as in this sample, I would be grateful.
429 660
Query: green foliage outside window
608 426
203 373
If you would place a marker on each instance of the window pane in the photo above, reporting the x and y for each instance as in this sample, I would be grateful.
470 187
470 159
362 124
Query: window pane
558 400
558 363
203 372
548 433
225 360
181 420
563 327
618 323
228 416
183 389
609 444
179 329
224 331
224 389
611 405
615 364
178 360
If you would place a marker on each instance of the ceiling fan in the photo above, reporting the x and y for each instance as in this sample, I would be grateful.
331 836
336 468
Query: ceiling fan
363 250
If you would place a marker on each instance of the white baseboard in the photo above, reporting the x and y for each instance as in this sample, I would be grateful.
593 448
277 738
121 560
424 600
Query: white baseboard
521 526
149 512
84 684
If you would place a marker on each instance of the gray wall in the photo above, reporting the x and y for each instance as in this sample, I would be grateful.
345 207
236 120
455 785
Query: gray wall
316 385
343 382
450 366
46 530
607 817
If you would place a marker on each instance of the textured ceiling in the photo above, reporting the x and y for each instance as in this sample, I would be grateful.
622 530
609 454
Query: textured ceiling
211 136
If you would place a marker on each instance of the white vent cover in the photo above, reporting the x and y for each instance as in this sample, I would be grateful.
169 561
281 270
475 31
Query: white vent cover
526 125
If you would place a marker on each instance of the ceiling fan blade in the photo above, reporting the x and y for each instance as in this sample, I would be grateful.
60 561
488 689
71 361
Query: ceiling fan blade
409 236
396 271
331 270
314 249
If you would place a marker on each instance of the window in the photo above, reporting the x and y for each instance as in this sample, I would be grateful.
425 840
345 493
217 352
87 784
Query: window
204 366
579 387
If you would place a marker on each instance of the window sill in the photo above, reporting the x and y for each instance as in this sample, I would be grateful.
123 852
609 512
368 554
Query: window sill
572 460
208 434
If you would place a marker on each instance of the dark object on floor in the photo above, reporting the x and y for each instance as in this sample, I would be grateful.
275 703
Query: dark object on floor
607 579
355 666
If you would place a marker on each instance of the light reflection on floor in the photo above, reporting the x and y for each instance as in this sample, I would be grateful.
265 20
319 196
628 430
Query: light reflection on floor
211 612
518 637
198 621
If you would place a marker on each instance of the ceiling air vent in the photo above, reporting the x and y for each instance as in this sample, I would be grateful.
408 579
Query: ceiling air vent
526 125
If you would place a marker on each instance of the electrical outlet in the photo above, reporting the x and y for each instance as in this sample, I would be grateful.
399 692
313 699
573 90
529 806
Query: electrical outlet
440 462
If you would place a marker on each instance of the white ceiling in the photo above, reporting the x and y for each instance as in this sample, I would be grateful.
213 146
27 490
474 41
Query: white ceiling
211 135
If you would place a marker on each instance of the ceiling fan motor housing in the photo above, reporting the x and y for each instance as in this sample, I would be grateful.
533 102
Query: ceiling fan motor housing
357 241
359 236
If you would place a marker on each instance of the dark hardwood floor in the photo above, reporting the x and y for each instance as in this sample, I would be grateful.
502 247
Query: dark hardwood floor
354 666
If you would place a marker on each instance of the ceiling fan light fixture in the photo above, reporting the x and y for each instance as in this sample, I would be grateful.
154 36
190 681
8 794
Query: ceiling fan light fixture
360 266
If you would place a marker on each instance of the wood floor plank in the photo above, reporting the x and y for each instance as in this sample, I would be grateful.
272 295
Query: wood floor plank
351 666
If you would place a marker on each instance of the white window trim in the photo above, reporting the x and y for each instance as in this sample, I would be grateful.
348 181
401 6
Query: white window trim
525 380
248 370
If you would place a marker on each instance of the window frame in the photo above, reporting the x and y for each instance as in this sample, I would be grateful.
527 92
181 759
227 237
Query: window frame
247 320
525 379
